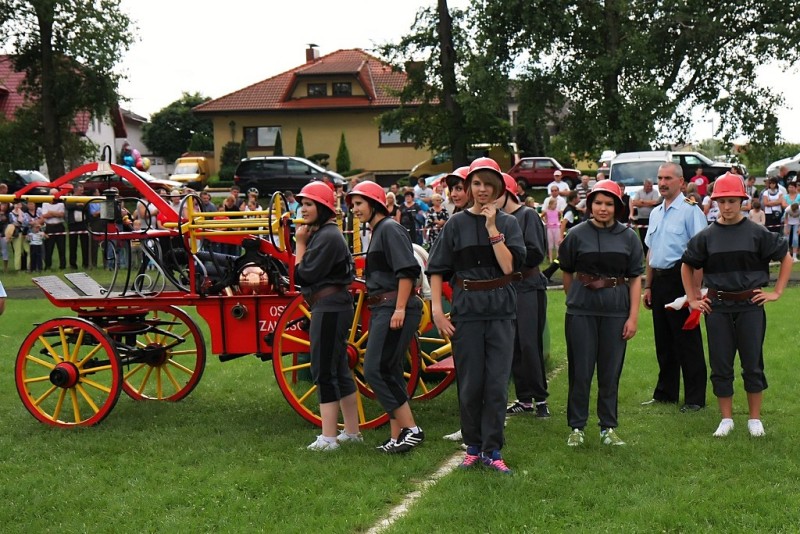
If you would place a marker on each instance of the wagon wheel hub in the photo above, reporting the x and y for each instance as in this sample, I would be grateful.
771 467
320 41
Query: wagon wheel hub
155 355
352 356
65 375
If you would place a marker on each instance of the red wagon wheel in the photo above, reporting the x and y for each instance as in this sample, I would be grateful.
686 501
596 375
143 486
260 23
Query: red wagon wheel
436 352
68 373
168 357
292 367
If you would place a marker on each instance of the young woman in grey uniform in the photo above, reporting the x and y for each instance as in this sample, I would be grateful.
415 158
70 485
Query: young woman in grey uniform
391 271
527 369
480 251
734 254
602 263
324 270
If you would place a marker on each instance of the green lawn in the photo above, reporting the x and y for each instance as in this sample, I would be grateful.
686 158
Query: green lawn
231 458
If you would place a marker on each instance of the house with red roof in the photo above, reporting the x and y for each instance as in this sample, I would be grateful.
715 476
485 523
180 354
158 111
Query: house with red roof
110 130
340 93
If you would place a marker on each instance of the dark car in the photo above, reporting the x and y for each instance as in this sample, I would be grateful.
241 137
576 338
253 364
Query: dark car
538 171
691 161
126 189
17 180
268 174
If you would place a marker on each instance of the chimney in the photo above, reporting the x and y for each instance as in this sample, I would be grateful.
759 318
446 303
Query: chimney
312 53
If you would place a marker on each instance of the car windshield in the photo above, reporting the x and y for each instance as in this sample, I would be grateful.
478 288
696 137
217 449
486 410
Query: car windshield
634 173
187 168
32 176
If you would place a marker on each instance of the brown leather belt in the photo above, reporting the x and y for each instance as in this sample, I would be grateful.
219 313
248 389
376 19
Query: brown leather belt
488 285
326 291
380 299
533 271
735 296
592 281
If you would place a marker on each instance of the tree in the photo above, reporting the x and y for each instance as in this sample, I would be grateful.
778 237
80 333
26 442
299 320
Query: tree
229 159
68 51
630 73
172 130
343 157
278 149
299 149
453 97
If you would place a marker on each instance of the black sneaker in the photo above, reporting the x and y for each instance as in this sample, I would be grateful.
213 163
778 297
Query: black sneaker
519 408
407 440
386 446
542 411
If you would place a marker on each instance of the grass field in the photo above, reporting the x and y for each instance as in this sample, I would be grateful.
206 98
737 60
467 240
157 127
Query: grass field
231 458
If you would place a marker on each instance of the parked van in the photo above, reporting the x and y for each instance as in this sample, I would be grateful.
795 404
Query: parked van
194 171
631 169
505 156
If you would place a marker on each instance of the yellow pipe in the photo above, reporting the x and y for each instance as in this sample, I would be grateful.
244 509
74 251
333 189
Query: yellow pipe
49 198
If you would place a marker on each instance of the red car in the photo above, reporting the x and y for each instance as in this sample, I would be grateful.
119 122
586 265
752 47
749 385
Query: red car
538 171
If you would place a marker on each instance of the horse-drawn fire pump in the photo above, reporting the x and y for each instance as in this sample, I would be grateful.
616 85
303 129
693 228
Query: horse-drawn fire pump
133 335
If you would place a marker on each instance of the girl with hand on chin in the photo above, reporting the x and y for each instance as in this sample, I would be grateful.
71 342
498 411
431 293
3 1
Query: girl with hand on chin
602 264
391 271
324 270
479 252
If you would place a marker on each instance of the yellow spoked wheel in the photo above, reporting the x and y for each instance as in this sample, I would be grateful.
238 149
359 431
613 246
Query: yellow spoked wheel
164 355
435 350
292 366
67 373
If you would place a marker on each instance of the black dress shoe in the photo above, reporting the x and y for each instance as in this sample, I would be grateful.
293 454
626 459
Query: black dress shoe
691 408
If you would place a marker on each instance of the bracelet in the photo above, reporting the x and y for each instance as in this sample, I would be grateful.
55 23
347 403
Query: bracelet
646 287
499 238
399 310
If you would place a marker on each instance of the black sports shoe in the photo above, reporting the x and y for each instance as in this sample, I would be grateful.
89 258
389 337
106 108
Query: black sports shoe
519 408
542 411
386 446
407 440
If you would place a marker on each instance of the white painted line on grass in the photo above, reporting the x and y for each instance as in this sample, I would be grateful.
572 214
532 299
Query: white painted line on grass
446 468
401 509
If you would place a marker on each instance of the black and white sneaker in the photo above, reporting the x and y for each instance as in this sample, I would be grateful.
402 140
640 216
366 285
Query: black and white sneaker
519 408
386 446
407 440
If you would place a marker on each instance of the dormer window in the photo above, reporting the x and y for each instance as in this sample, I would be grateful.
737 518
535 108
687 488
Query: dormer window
342 89
317 89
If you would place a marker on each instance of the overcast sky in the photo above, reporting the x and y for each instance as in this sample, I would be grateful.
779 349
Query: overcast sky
217 50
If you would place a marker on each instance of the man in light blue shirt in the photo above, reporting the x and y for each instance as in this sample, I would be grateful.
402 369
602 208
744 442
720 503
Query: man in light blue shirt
672 224
2 298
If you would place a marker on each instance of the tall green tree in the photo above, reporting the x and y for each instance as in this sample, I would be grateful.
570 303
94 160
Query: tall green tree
632 71
277 150
171 130
68 51
455 95
342 156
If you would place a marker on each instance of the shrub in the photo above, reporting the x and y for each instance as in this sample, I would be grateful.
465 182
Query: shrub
320 159
343 156
299 149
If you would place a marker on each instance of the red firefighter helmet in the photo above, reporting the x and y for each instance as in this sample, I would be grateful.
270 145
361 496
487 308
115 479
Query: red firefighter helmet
608 187
488 164
368 190
728 185
511 184
318 192
457 176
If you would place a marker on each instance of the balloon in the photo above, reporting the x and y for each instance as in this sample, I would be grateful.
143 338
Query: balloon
128 160
146 164
140 164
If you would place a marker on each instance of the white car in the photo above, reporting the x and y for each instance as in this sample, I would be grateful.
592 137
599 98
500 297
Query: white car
793 164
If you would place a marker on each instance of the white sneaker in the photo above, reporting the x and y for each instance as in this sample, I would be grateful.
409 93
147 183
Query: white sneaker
455 436
724 428
755 427
321 444
344 437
